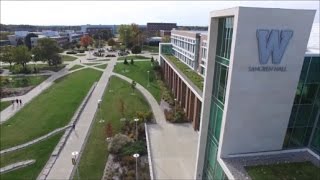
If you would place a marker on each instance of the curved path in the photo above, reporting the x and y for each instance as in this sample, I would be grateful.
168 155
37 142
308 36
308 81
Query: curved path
173 147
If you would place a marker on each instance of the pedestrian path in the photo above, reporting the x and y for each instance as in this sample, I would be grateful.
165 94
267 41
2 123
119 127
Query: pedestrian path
173 147
10 111
62 169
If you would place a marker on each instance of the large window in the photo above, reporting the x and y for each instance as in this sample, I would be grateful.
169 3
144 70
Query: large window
303 128
212 169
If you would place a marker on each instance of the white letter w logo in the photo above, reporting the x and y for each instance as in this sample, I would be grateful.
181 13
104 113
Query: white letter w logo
272 43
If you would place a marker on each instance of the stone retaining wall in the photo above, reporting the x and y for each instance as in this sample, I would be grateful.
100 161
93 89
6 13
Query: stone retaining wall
17 165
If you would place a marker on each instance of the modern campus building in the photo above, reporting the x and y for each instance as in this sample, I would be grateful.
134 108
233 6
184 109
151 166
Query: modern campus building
260 95
154 28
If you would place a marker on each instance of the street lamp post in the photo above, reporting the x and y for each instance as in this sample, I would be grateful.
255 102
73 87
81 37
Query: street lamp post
148 79
136 156
136 120
74 162
175 105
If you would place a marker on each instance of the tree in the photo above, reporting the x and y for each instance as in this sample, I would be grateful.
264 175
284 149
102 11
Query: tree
86 41
121 107
165 39
108 129
152 60
21 55
27 40
125 61
47 50
6 54
111 42
20 42
136 49
132 62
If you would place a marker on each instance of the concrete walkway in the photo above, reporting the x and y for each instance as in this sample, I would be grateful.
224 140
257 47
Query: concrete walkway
173 146
10 111
62 169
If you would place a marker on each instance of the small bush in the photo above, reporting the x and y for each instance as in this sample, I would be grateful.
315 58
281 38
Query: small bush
125 61
134 147
131 62
118 142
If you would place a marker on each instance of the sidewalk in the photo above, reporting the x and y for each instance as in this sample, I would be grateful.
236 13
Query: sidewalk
173 146
63 167
9 111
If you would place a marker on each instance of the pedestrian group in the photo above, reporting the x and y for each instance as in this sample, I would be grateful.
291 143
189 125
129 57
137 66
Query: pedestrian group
18 101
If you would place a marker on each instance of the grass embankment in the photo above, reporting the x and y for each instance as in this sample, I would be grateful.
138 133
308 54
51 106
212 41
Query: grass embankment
4 104
139 73
103 66
20 81
300 170
195 78
68 58
80 55
52 109
77 66
134 57
39 152
90 64
95 154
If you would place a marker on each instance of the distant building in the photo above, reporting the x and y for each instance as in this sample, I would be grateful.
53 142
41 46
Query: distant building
164 33
153 29
91 29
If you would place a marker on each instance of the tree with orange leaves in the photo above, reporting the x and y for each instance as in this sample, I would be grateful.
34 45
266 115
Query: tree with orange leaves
86 41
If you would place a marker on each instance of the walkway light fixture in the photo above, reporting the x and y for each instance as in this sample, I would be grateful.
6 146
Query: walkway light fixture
136 156
74 162
136 120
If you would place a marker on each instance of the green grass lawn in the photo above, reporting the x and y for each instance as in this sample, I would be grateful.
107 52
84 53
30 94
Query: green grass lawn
103 66
21 81
90 64
286 171
40 152
152 49
138 72
80 54
4 104
52 109
77 66
132 57
189 73
68 58
95 153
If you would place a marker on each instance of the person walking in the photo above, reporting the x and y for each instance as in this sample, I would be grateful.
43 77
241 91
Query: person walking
17 101
20 101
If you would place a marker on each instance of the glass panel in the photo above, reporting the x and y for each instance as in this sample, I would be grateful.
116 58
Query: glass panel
222 83
218 124
287 137
293 115
303 115
308 93
297 136
298 93
218 172
314 70
315 143
212 118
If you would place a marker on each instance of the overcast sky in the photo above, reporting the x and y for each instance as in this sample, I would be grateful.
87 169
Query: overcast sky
125 12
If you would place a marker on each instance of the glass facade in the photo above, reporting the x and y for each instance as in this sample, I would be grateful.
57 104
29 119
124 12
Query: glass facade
212 169
304 126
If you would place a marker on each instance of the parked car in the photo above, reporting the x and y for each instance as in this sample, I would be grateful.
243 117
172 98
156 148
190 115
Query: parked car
110 55
71 52
122 53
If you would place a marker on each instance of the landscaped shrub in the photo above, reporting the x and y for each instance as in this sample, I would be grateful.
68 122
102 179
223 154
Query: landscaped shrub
134 147
169 115
118 142
176 115
125 61
132 62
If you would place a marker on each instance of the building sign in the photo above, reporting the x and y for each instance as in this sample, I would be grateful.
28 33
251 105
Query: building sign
271 44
